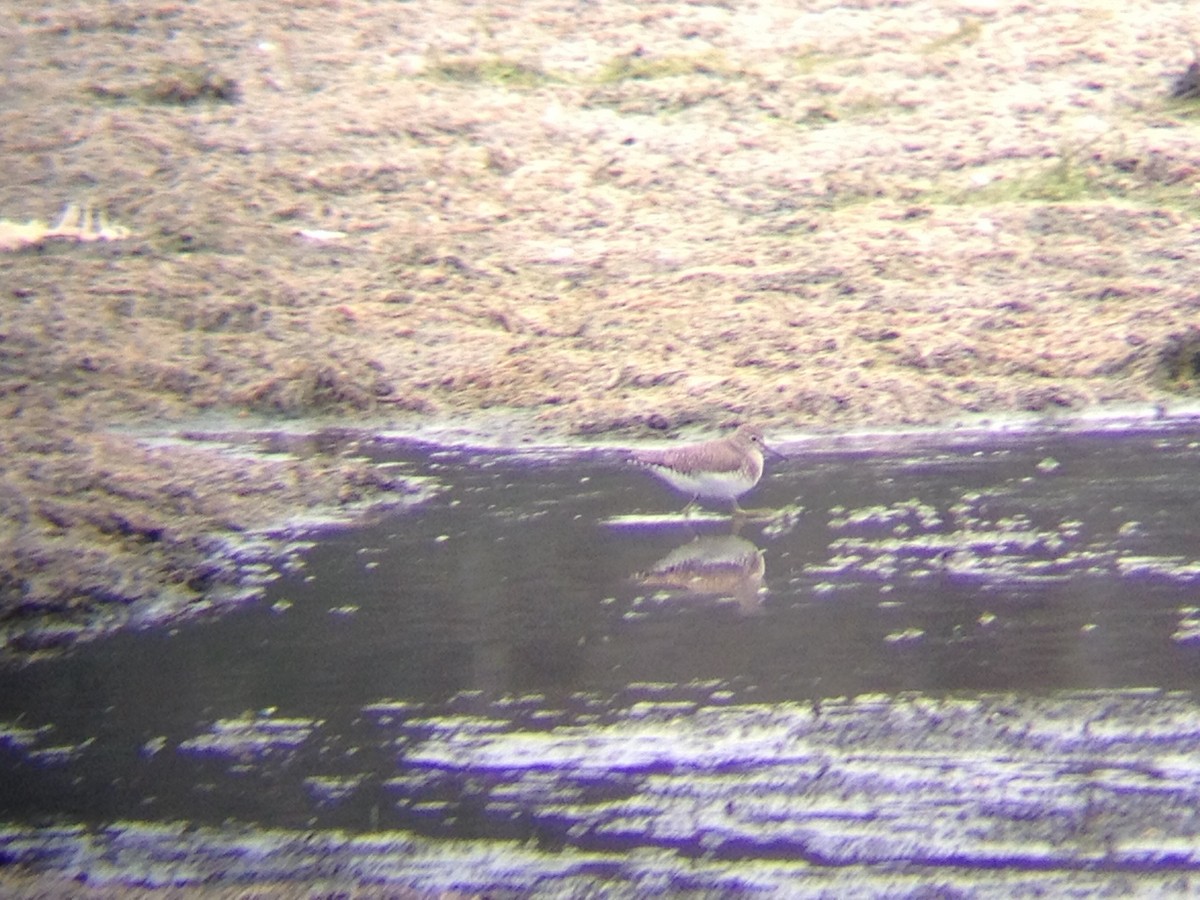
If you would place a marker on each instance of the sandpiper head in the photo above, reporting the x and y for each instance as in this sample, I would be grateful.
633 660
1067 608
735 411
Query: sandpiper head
751 435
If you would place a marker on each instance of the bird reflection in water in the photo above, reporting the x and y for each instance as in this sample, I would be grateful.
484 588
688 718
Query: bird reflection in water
714 566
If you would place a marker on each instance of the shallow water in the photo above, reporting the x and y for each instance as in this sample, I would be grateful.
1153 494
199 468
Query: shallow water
546 659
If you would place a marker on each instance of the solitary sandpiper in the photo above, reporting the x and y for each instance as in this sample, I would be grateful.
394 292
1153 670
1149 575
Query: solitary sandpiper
722 469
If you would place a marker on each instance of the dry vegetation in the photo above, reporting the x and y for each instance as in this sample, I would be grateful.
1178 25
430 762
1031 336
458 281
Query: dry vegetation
592 218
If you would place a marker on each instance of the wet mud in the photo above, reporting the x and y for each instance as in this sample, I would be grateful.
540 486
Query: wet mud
994 796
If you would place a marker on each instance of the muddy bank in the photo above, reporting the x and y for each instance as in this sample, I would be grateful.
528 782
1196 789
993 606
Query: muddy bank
587 220
102 530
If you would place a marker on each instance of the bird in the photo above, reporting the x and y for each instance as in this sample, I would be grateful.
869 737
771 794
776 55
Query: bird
720 469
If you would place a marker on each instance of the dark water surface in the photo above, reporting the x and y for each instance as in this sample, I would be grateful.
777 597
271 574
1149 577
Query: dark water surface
544 668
